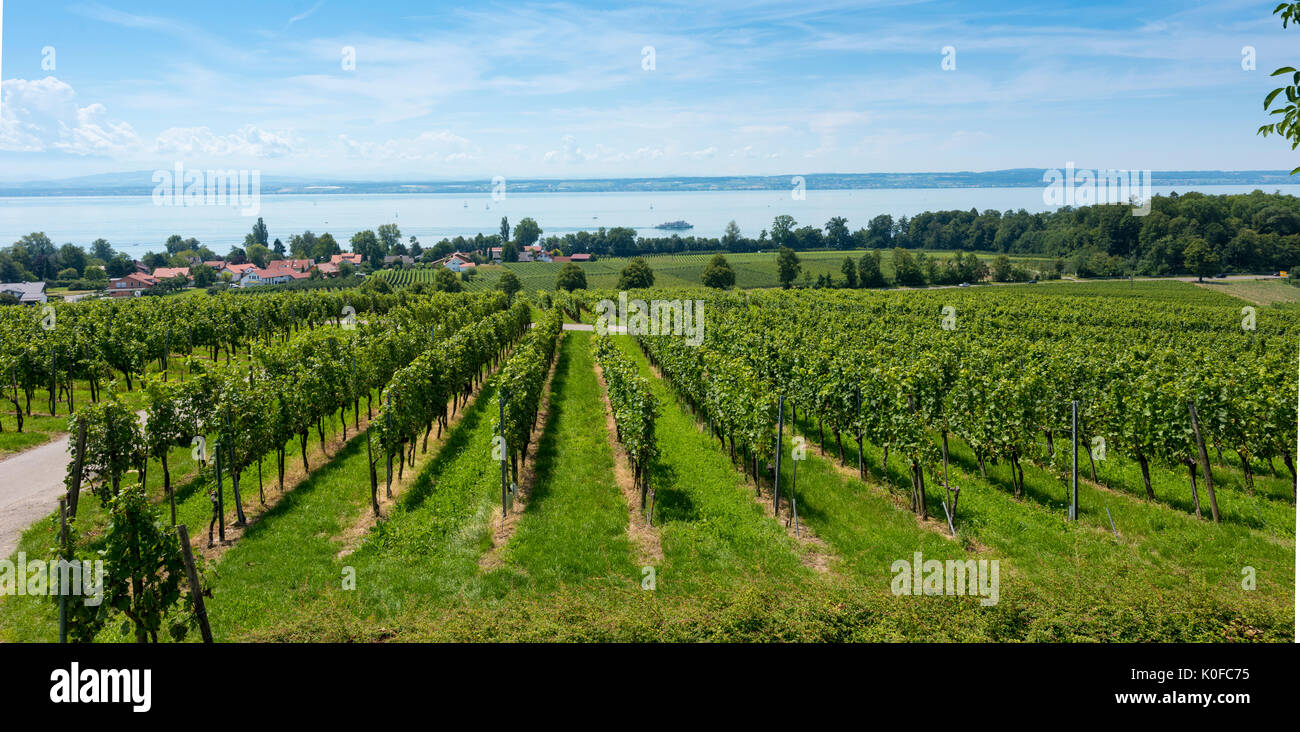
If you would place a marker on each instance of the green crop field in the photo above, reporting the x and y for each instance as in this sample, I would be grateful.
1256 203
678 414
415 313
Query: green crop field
753 270
648 506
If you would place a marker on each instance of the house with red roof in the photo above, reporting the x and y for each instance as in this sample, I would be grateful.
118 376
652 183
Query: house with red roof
130 285
166 273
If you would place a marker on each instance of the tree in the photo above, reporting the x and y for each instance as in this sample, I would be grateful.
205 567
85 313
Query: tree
850 271
1289 126
389 237
907 271
787 263
278 248
880 232
509 283
1002 268
527 232
302 246
346 269
325 248
1199 258
718 274
72 257
367 245
237 256
731 237
100 249
869 274
571 278
40 254
258 254
444 280
203 275
119 266
505 229
837 233
637 275
259 232
783 230
509 252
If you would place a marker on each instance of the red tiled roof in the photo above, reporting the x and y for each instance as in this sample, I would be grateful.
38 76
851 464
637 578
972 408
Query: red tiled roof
164 273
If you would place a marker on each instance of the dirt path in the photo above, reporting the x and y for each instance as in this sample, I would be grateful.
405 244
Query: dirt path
642 534
31 482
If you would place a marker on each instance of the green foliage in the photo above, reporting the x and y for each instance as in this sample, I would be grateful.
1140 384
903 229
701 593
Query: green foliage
509 283
145 570
637 275
571 278
1289 126
444 280
718 274
787 263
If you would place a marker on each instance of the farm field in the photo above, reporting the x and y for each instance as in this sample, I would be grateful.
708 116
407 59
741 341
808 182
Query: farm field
753 270
1259 292
370 437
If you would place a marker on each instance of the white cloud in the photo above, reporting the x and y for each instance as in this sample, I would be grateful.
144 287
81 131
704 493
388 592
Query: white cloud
250 141
42 115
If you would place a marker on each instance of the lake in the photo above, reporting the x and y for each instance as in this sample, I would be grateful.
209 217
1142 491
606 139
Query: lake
133 224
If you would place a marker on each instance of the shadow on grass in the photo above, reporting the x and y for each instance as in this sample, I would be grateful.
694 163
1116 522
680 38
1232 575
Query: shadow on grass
458 439
303 491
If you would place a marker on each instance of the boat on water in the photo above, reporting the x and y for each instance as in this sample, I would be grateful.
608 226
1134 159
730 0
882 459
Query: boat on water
675 225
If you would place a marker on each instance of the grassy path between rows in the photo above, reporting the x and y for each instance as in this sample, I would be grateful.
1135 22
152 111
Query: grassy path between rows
574 528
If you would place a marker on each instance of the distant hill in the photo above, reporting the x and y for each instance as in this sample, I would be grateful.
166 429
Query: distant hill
140 183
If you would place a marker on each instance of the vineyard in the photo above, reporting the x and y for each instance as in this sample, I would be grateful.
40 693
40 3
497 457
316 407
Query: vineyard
753 270
434 466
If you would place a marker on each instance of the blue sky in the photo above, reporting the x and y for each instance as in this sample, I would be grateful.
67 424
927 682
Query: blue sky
452 90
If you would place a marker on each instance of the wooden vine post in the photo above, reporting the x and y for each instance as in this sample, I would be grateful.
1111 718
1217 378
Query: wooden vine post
78 458
780 430
1204 459
1074 461
196 593
501 430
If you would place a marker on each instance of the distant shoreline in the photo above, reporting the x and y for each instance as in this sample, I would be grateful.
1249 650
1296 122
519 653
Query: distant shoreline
140 183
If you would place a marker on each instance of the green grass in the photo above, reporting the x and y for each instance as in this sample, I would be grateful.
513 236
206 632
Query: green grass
574 528
1259 292
1076 581
33 619
752 270
715 537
